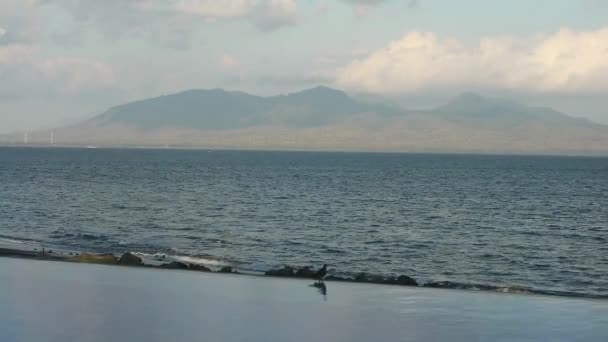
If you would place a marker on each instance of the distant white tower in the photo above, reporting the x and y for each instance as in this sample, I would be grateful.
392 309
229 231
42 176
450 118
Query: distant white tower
52 138
25 138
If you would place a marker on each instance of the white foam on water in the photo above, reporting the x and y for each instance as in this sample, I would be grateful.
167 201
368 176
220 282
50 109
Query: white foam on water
201 261
10 241
183 258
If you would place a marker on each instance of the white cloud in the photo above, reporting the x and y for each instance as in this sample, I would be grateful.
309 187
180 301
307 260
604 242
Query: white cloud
13 54
365 2
362 7
214 8
563 61
265 14
76 74
19 20
26 70
274 14
228 61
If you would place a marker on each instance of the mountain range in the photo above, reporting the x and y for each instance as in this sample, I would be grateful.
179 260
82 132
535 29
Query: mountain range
329 119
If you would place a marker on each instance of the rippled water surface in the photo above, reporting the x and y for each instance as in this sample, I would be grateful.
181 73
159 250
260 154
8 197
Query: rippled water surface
528 221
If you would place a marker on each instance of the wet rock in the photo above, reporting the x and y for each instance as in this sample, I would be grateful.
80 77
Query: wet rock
305 272
286 271
406 281
201 268
402 280
443 285
17 252
130 259
361 277
226 269
175 265
369 278
96 258
336 278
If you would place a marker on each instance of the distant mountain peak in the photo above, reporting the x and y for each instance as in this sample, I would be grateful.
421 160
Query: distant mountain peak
320 91
469 96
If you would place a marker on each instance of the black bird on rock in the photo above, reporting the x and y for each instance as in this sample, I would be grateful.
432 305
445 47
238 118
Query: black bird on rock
321 273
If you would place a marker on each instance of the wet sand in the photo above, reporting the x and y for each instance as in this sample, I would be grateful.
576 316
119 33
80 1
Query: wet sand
43 300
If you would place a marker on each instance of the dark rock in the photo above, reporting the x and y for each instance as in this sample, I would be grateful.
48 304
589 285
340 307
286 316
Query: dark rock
305 272
202 268
286 271
130 259
17 252
336 278
362 277
385 280
226 269
406 281
175 265
378 279
369 278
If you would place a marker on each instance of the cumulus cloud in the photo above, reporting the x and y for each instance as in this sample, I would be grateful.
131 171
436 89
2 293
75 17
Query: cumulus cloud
275 14
76 74
228 61
264 14
169 23
563 61
19 21
365 2
214 9
25 70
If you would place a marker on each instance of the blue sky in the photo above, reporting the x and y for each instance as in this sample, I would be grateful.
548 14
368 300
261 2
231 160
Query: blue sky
61 60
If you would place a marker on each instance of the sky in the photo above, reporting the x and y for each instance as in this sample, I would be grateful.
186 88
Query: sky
65 60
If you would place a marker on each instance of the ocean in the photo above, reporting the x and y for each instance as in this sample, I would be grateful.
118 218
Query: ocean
523 222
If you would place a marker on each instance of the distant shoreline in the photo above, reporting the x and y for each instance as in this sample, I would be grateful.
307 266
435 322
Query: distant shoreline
295 150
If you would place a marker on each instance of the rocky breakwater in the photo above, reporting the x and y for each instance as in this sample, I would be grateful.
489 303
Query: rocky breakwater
309 273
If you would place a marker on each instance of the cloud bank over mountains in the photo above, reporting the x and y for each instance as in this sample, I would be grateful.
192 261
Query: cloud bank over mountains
90 54
564 61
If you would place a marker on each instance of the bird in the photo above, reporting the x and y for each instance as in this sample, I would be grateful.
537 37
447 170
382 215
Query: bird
321 273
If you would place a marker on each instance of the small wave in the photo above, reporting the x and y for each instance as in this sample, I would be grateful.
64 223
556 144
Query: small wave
509 289
294 243
201 260
18 240
92 237
334 251
188 259
61 234
4 240
374 242
126 207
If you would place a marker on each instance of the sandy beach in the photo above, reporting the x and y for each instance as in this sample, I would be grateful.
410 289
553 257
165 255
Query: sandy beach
43 300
